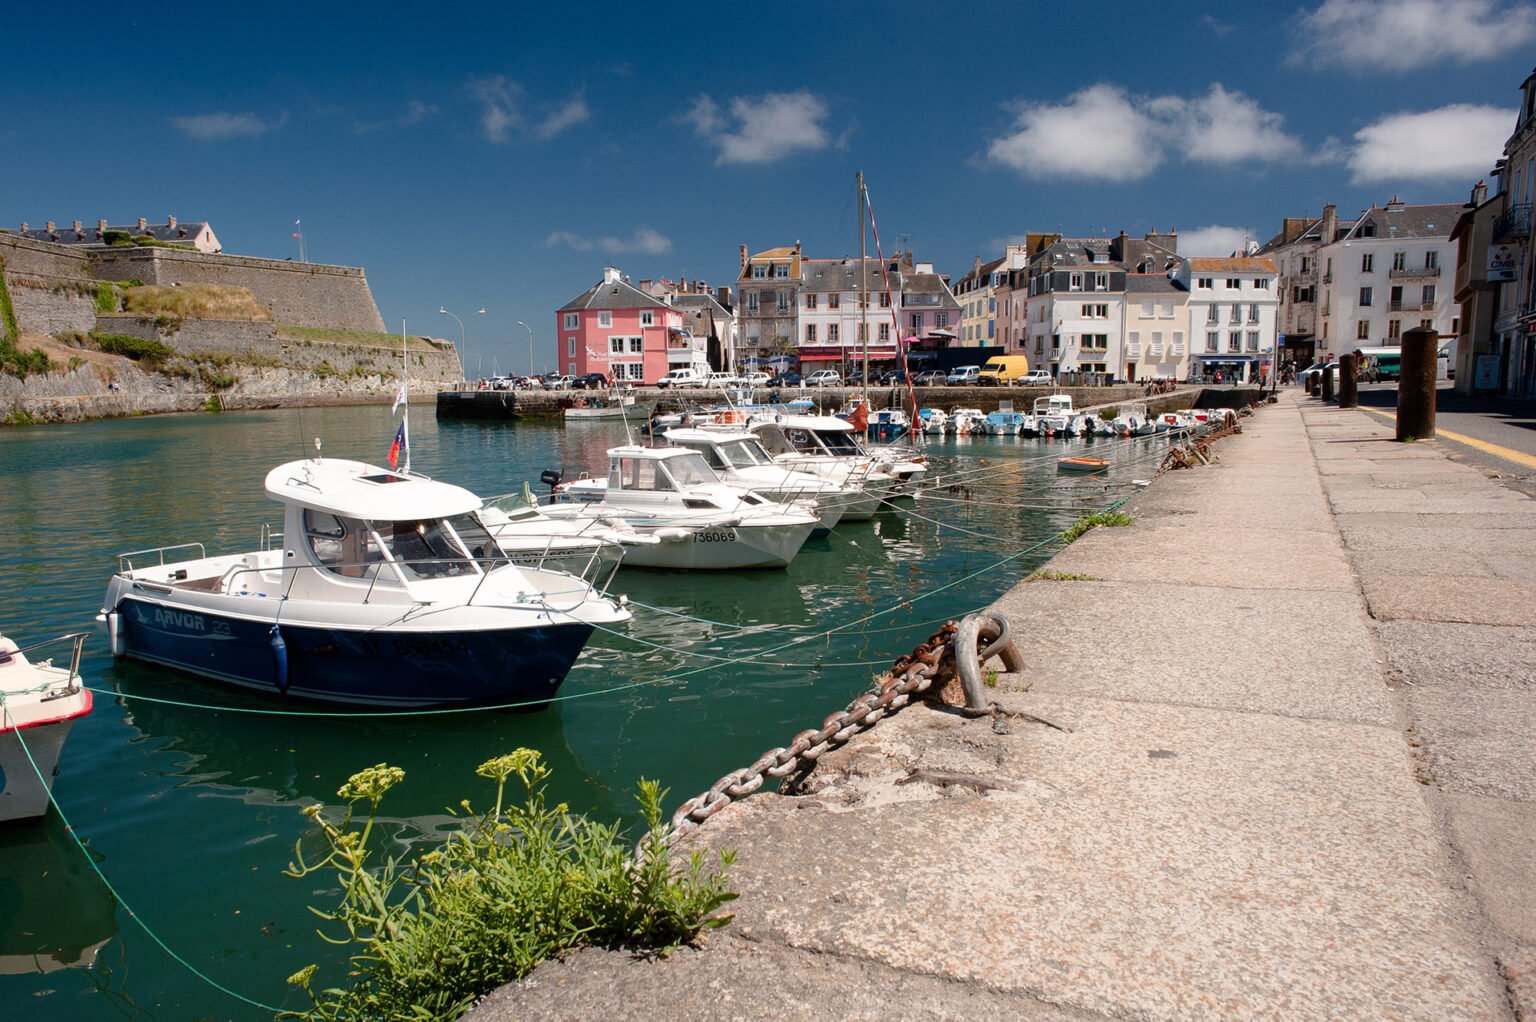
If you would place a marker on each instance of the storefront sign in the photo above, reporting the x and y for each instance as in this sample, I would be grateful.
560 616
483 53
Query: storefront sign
1485 375
1503 262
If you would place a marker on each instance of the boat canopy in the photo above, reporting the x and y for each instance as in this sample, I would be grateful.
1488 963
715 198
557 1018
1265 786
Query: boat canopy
353 489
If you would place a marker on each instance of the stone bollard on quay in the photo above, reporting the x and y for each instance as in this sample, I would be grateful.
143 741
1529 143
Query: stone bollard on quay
1416 385
1349 386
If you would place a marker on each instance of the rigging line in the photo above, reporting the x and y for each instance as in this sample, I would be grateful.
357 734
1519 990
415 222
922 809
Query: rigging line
91 859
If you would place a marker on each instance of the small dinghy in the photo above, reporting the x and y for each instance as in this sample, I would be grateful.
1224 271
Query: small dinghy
1081 465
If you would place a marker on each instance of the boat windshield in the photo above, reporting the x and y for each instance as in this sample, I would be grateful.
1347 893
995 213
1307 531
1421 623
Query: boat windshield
837 441
425 549
690 470
474 537
745 453
345 546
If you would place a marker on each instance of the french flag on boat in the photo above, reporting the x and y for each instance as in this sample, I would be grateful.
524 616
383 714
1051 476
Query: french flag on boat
402 443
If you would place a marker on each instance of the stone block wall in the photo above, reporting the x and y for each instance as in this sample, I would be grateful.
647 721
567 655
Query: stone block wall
304 294
51 287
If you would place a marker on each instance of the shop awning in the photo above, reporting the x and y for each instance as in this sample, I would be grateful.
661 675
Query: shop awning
1226 360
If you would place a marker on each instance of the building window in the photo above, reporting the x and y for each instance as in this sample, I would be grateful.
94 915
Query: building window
1431 260
572 320
832 333
810 300
1394 329
1157 340
1363 330
1365 298
1425 324
1234 283
1101 282
1235 341
834 300
1399 260
1214 316
1237 313
917 322
885 331
1428 301
941 320
1206 282
647 319
1075 282
863 332
1212 341
615 345
570 347
1165 310
751 301
1135 338
1262 283
885 300
1055 343
1253 340
810 333
1253 313
759 272
991 324
637 345
783 302
605 319
1306 264
1367 262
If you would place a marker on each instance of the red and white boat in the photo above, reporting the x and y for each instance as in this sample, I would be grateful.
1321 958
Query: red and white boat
39 703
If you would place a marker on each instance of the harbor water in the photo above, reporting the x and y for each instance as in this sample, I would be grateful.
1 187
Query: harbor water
187 796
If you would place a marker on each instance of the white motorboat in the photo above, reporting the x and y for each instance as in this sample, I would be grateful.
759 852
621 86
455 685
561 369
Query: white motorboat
935 421
39 704
739 459
968 421
701 523
592 550
1134 420
830 447
1053 415
604 409
385 592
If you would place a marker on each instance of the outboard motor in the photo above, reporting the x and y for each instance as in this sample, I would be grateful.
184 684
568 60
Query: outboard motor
551 478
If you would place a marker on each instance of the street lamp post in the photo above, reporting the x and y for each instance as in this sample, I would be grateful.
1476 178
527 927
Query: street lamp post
460 349
528 328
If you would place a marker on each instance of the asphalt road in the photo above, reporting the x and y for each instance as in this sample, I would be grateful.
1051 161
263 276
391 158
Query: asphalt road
1496 435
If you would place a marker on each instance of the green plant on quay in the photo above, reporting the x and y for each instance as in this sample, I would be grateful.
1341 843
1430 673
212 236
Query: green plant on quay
511 888
1108 519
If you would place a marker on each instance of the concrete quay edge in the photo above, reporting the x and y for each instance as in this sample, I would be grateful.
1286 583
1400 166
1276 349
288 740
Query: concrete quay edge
1253 799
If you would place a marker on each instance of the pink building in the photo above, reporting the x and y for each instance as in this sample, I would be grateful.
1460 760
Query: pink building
618 330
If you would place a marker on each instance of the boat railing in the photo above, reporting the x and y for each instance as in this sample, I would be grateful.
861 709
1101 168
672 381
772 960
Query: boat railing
77 645
125 561
268 536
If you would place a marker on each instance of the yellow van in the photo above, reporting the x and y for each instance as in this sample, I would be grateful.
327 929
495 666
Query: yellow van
1004 369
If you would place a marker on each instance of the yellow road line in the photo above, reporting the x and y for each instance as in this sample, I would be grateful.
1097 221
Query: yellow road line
1518 457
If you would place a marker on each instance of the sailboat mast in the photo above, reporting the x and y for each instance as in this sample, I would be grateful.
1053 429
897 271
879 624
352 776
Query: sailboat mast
863 296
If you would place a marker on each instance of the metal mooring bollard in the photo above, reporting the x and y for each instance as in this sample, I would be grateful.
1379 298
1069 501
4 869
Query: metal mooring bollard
1349 386
1325 378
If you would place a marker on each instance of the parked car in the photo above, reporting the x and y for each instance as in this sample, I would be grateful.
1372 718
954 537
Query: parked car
1003 370
789 379
824 378
1036 378
501 383
590 381
893 378
757 379
721 378
930 378
561 382
963 376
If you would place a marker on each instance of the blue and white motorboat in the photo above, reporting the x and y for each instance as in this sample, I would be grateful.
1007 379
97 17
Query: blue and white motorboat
385 591
1003 423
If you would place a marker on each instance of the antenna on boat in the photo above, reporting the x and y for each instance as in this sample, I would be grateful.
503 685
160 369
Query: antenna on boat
318 459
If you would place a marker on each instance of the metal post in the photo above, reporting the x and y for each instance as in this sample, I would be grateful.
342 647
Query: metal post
1416 385
1327 382
1349 388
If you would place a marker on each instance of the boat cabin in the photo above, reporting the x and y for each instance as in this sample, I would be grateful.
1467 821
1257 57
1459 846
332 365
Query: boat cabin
1054 404
809 434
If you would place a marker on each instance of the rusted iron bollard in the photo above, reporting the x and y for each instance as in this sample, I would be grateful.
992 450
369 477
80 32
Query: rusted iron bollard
1416 385
1349 388
1327 381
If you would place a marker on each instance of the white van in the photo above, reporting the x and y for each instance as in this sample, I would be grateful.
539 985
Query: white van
685 377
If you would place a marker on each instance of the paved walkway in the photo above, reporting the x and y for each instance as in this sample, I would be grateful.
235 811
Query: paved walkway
1294 779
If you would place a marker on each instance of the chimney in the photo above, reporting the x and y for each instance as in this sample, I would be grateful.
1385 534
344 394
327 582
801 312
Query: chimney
743 259
170 221
23 227
75 226
1479 193
1330 223
143 223
51 226
101 225
610 274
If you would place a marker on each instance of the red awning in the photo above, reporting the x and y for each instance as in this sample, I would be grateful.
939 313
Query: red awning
852 354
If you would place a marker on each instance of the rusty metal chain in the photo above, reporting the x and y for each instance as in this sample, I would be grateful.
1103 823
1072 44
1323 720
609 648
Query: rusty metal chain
910 675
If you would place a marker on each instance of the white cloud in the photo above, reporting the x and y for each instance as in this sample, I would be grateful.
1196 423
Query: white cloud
1214 241
415 112
222 126
761 129
1225 127
1096 133
505 109
644 241
1398 35
1460 141
1105 133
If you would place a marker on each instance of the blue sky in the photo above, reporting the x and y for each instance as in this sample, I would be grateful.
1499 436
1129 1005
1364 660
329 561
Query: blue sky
499 157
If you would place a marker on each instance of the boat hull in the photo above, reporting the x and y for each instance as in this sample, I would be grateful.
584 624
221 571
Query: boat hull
723 548
24 795
382 666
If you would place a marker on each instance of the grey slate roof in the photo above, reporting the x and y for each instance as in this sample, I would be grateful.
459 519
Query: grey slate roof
1400 221
1150 284
612 294
841 275
182 233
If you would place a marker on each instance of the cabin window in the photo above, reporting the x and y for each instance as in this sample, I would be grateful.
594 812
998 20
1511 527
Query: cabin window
690 470
425 549
344 545
637 474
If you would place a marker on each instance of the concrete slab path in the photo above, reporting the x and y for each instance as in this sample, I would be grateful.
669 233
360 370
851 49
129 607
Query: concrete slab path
1291 778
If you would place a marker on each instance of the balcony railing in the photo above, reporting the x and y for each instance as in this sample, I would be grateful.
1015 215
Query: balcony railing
1414 271
1515 222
